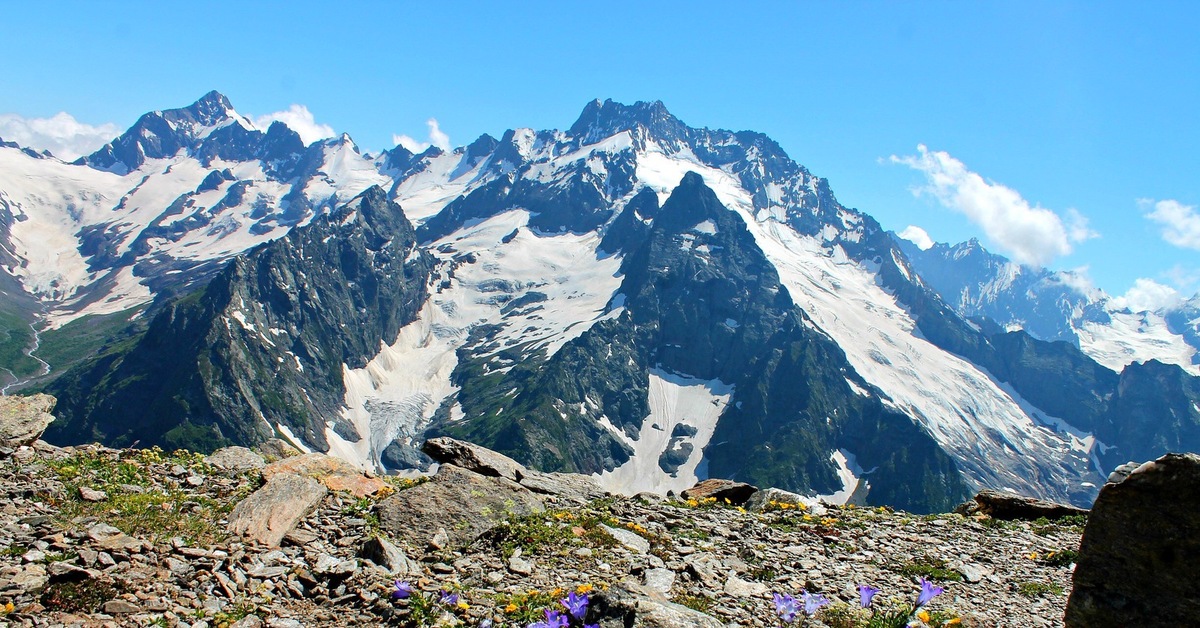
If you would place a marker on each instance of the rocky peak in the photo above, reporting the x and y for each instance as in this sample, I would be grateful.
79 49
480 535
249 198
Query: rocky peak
605 119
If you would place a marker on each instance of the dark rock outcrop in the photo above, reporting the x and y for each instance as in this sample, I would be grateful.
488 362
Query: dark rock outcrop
736 493
1008 506
1137 560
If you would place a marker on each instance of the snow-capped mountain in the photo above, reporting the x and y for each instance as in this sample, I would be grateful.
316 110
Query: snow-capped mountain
630 297
1058 305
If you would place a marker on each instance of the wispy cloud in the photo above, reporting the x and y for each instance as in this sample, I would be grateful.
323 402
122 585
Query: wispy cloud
1180 223
917 236
436 138
61 134
299 119
1030 234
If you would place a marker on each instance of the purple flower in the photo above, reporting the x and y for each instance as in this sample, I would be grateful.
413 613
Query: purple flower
554 619
866 593
813 602
576 605
447 598
785 607
928 592
403 591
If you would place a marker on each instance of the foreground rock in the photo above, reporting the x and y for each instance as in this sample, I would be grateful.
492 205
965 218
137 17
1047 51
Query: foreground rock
1008 507
456 503
336 474
473 458
23 419
274 510
1138 559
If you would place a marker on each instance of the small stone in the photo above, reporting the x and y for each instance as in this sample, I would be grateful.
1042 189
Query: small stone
237 459
974 572
120 607
629 539
519 565
736 587
92 495
195 481
660 580
440 539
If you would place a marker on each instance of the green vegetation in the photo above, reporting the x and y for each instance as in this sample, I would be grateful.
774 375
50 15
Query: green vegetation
135 503
85 596
931 568
15 338
83 337
700 603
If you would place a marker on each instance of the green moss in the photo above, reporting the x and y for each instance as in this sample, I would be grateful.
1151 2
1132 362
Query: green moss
931 568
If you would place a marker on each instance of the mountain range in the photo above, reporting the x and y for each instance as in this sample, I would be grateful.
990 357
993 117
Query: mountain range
631 297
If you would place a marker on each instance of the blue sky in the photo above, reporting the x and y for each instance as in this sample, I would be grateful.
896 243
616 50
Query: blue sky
1057 132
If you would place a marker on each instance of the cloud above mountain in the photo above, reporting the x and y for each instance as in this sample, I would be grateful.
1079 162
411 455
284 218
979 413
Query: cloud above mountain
299 119
61 134
1030 234
917 236
1180 223
437 137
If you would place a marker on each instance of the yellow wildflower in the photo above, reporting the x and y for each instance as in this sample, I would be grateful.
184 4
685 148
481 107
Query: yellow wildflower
511 608
8 608
953 622
583 588
1033 556
923 615
462 606
556 592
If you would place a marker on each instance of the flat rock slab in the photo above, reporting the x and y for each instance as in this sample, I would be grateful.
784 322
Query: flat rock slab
463 503
737 493
273 510
472 457
1138 558
23 419
336 474
1008 506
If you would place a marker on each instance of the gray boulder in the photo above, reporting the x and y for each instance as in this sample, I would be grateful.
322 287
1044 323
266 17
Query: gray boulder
472 457
463 503
575 486
273 510
1138 558
23 419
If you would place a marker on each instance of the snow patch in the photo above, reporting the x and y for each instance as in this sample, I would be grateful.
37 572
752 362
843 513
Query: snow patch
674 400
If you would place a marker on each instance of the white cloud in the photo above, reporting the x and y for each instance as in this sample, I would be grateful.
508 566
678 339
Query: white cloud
1029 234
917 236
1148 295
1180 223
60 134
436 138
299 119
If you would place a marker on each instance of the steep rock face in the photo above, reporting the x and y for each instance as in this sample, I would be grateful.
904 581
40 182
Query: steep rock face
702 301
263 345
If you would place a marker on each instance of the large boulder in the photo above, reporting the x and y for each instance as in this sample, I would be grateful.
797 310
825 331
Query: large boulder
462 503
23 419
1009 506
472 457
272 511
736 493
1138 558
